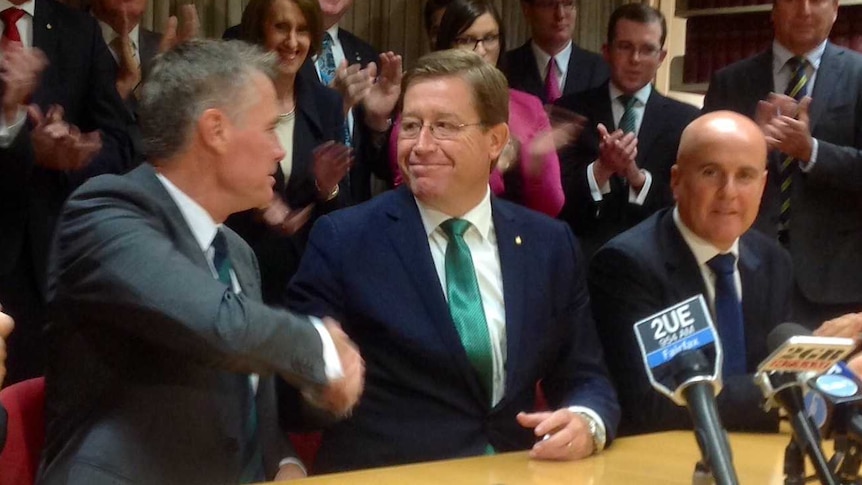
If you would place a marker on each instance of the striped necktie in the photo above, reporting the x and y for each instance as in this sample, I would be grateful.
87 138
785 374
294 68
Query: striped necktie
797 88
627 121
465 302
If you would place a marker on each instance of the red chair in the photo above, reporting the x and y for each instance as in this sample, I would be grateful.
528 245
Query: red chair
25 431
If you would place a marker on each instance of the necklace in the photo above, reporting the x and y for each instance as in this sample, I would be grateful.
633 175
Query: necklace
288 115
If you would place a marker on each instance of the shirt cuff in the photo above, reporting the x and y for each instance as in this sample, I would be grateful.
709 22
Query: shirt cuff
8 133
639 198
589 412
293 461
330 355
807 167
595 191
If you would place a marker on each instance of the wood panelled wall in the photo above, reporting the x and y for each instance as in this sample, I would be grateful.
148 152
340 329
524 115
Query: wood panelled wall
390 24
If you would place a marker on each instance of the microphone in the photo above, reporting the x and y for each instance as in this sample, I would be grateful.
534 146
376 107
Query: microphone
682 358
778 377
833 405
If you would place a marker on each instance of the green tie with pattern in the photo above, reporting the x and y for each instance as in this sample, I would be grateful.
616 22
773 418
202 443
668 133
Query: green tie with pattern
797 88
627 121
465 302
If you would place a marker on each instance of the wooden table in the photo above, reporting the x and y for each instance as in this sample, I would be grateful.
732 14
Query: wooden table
660 459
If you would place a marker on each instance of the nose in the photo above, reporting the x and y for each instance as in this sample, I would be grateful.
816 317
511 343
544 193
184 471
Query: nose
424 141
729 187
277 150
291 40
480 48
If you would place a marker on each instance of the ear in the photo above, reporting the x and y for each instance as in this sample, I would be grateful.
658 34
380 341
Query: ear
674 179
606 53
214 130
661 56
498 136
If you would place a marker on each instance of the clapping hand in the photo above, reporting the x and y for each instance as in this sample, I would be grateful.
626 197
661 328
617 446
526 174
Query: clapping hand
59 145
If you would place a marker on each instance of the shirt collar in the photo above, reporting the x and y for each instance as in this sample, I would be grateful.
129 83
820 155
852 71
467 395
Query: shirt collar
109 34
642 94
200 222
29 6
561 57
479 216
333 32
703 251
780 56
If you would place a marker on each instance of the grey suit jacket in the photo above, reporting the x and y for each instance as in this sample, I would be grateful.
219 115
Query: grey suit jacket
150 355
826 203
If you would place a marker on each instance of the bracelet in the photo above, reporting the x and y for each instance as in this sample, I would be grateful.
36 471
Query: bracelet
332 194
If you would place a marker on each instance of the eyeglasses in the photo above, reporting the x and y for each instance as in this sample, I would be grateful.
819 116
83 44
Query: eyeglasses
489 42
554 4
630 49
441 130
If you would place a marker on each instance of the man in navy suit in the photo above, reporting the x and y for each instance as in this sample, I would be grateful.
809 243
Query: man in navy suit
717 182
457 329
812 201
43 159
552 23
618 172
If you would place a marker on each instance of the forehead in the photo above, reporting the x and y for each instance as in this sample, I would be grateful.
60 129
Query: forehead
729 154
631 30
440 96
483 24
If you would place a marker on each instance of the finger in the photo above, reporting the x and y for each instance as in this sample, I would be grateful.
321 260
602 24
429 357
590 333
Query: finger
603 131
802 114
531 420
169 38
191 24
6 325
34 112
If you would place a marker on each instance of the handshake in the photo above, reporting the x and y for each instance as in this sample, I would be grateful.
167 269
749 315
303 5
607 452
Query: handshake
340 395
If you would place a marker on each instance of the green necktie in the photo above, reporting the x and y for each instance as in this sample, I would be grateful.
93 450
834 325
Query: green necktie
465 301
797 88
627 121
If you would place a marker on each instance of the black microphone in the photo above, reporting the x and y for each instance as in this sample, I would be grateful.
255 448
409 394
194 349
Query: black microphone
682 358
834 404
794 351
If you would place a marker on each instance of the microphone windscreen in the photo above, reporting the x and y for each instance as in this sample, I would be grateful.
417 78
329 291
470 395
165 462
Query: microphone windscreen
783 332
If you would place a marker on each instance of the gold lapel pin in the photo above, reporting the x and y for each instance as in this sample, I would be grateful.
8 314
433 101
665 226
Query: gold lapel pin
49 27
518 240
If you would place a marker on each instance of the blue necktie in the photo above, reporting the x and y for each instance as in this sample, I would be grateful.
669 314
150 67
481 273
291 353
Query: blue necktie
252 468
797 88
326 60
728 312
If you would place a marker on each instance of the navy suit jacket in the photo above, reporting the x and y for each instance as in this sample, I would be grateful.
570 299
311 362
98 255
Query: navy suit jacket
658 139
586 70
649 268
79 77
826 203
150 354
370 267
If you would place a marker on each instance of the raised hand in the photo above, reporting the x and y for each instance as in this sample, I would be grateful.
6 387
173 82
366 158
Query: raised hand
617 155
791 134
189 29
59 145
20 70
129 69
383 94
331 163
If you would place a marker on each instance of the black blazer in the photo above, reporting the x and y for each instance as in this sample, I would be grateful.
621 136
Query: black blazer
586 70
658 139
649 268
318 119
80 77
150 355
826 203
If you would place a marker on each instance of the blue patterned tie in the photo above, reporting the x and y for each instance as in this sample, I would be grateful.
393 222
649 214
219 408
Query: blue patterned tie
728 312
797 88
465 302
326 61
252 469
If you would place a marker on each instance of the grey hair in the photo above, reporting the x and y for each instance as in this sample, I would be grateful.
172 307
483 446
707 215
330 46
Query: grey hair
191 78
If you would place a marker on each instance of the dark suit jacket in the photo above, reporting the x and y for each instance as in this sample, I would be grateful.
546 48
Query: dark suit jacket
371 267
658 139
826 203
318 119
150 354
649 268
79 77
586 70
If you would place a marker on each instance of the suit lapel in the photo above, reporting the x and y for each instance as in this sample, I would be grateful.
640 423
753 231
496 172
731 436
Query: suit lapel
682 269
45 37
410 243
830 71
532 78
351 53
512 245
753 282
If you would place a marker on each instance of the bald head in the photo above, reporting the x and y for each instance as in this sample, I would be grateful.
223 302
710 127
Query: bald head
719 176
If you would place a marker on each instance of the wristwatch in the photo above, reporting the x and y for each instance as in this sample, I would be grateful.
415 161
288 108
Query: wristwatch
596 431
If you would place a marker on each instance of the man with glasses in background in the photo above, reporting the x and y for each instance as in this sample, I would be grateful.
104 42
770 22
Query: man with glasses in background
618 172
550 64
461 302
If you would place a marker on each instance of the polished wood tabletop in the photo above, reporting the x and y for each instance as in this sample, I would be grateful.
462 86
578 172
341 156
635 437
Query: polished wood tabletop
660 459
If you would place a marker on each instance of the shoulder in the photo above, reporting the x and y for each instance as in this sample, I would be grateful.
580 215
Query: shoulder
531 221
767 250
640 241
847 56
369 216
584 56
582 99
742 67
681 110
67 17
524 103
366 51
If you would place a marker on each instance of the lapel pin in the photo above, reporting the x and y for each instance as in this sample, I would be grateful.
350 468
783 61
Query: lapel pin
518 240
48 27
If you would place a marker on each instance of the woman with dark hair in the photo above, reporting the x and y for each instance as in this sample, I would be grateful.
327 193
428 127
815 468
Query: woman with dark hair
528 172
311 121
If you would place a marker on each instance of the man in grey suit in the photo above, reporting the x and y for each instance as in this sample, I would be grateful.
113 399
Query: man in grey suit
162 352
814 130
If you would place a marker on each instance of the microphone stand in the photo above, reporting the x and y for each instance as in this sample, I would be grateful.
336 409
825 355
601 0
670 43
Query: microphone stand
794 464
847 433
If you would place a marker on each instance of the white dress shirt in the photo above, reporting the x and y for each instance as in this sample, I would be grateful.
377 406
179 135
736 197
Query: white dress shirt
9 130
562 60
641 97
781 75
704 251
482 241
